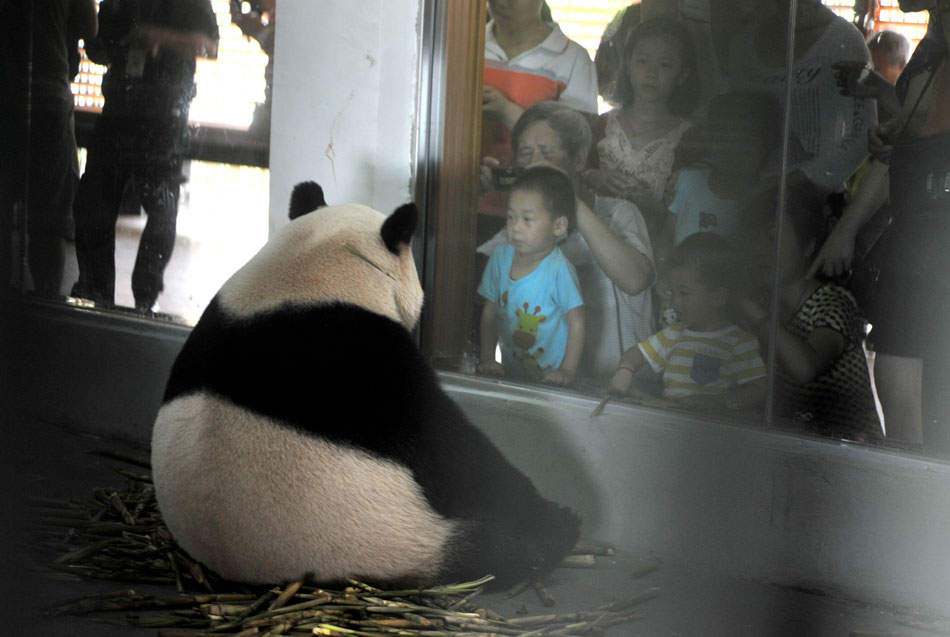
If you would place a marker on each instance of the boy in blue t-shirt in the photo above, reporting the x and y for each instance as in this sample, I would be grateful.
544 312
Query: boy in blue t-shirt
533 305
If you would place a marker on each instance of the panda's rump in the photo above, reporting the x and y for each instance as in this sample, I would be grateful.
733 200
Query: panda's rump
273 503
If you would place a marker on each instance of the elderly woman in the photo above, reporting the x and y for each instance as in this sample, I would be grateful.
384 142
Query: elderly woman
528 59
610 247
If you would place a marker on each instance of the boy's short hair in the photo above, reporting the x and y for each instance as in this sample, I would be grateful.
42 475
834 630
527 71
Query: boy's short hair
555 188
714 257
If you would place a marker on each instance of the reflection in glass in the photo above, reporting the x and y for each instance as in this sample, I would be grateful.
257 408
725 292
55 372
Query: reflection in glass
222 217
907 181
776 208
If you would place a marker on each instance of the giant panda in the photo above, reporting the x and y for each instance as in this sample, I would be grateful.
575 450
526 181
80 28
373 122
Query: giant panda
302 435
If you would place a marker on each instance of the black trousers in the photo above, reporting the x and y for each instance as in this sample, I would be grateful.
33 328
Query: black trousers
149 151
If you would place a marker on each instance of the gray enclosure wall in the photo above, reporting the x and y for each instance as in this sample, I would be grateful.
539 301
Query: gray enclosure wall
860 523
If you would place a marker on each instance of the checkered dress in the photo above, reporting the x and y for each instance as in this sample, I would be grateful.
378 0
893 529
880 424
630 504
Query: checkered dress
840 401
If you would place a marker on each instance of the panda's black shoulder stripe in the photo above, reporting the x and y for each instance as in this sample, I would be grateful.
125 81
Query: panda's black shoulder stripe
326 369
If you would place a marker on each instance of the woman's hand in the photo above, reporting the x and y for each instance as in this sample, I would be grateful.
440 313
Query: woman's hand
497 105
858 79
836 255
621 382
485 181
609 183
881 139
628 268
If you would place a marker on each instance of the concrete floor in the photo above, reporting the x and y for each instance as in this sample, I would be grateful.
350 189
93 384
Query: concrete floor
47 460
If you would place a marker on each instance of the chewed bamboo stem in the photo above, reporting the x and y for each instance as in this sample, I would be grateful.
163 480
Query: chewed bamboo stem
288 593
543 594
579 561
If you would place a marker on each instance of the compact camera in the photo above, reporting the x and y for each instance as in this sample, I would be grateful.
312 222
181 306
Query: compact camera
503 178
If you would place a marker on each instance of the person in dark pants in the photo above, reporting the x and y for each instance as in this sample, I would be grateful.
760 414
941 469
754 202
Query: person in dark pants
142 134
39 166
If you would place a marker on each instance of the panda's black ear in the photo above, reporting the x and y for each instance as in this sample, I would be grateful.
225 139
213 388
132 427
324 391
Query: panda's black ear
306 197
399 226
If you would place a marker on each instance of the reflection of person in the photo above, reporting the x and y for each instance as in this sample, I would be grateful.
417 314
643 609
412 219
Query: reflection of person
706 361
733 143
45 34
532 301
527 60
830 127
610 247
633 145
823 384
142 134
912 160
259 23
889 52
609 56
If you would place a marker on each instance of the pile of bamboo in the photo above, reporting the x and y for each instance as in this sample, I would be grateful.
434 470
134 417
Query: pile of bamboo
120 535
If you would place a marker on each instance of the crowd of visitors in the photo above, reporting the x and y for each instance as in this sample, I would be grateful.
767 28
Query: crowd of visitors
686 155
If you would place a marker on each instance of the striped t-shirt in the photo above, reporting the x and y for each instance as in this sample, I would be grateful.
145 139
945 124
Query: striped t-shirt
703 362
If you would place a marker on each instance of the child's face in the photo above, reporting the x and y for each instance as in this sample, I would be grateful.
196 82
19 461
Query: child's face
656 67
531 228
698 305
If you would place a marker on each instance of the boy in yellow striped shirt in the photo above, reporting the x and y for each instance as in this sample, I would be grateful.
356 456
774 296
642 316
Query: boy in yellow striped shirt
706 361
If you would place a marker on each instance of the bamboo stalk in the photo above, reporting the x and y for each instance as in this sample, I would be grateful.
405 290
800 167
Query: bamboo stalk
579 561
543 593
600 407
277 619
291 609
84 551
624 604
252 609
179 585
645 569
165 633
517 589
279 629
121 535
542 620
289 592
